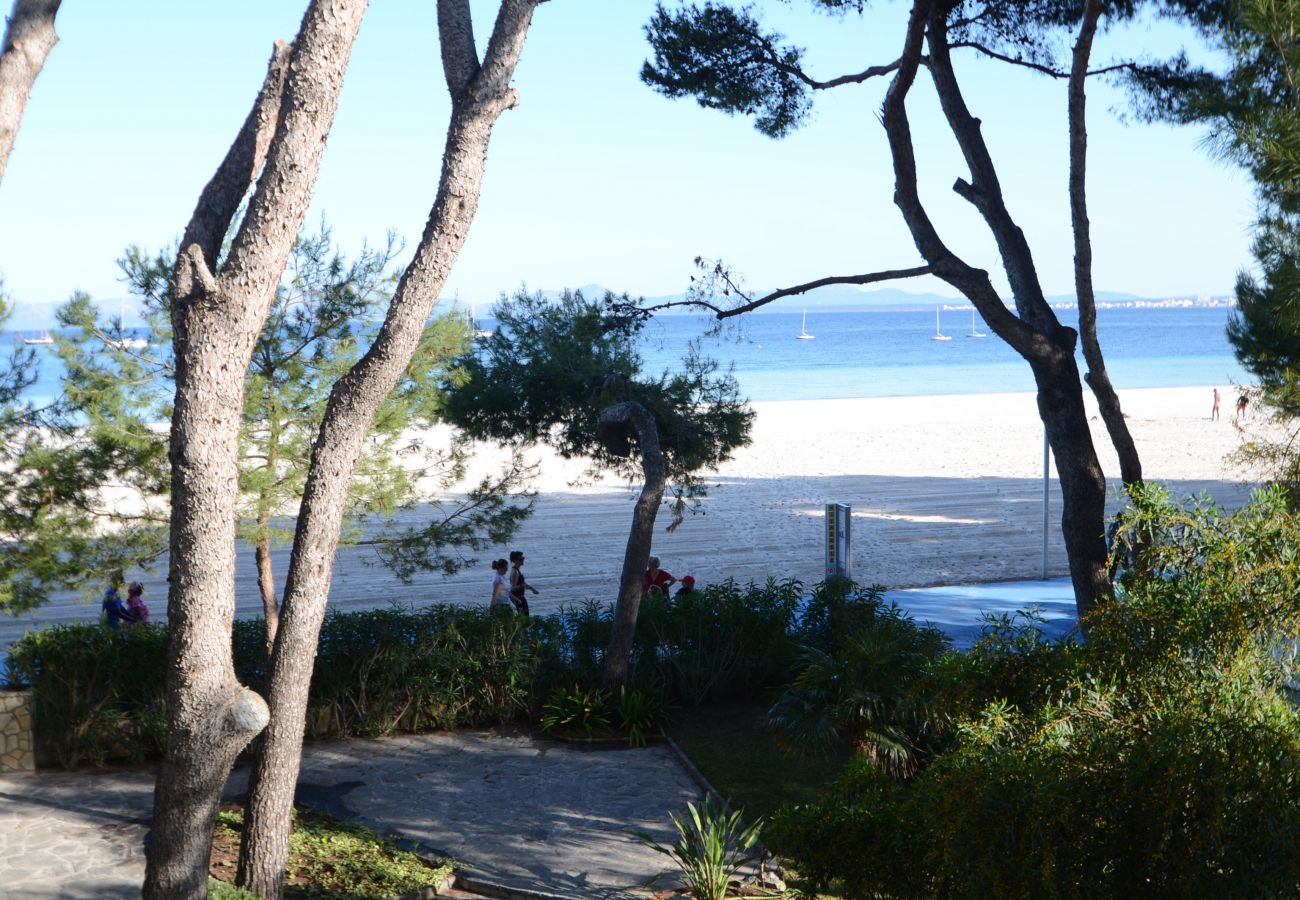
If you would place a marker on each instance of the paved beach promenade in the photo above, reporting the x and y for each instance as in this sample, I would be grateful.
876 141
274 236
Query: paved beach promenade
514 812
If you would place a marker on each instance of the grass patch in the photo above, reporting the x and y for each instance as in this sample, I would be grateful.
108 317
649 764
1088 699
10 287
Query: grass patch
741 756
328 860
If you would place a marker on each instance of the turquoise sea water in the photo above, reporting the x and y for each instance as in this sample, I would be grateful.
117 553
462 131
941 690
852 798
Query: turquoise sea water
890 353
882 353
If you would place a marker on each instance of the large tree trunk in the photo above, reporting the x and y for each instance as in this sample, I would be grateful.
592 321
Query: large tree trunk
1130 466
29 38
480 93
614 420
1034 331
217 317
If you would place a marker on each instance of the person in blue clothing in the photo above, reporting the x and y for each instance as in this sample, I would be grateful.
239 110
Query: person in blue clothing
114 609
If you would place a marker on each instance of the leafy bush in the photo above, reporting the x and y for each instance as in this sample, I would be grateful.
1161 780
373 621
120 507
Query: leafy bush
576 709
712 845
721 642
638 712
98 692
873 684
1158 759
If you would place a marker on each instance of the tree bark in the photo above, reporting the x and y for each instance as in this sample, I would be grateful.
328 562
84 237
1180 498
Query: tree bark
29 38
636 557
216 318
1130 466
266 586
1035 332
480 93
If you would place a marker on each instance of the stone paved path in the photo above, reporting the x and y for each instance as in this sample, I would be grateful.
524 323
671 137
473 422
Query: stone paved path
521 812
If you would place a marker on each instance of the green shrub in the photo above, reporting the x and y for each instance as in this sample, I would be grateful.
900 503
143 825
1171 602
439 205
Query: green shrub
577 709
387 671
98 692
638 713
874 687
712 845
1157 759
722 642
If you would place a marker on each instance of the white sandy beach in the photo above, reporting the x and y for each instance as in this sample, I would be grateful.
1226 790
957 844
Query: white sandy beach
944 490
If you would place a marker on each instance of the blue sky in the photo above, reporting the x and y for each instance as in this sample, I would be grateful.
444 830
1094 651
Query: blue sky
593 178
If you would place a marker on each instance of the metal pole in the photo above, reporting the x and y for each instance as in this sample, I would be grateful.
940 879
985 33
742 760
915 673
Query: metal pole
1046 456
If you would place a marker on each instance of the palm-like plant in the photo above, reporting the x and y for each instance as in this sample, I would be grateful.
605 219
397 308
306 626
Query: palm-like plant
711 847
875 690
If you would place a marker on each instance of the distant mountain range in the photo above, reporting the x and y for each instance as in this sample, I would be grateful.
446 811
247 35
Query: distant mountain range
835 298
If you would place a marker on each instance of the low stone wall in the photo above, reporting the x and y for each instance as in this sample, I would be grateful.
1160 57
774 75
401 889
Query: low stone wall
17 747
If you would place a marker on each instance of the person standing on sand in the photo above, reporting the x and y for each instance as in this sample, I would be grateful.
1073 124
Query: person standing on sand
1242 402
518 586
1214 413
656 579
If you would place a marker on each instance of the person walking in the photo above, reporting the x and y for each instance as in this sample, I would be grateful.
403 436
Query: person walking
1214 413
135 604
1242 402
500 585
113 611
518 585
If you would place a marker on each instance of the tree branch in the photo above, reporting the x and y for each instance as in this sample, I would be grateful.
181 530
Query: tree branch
222 195
456 33
29 38
1039 67
279 204
868 278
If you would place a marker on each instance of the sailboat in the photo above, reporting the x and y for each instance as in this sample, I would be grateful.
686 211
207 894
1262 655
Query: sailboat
973 332
127 343
43 341
473 321
803 334
938 335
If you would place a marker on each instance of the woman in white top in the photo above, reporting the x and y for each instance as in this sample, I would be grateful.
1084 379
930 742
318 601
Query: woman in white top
500 586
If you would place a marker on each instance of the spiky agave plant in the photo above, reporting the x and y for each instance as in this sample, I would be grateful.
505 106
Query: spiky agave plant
712 845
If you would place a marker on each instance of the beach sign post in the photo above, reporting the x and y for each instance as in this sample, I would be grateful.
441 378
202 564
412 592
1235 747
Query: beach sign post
838 533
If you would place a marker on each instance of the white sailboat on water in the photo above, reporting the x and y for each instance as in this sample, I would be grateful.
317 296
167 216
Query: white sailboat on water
973 332
44 340
803 334
124 342
938 335
473 321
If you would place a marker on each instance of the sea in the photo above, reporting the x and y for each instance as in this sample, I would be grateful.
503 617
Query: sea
890 352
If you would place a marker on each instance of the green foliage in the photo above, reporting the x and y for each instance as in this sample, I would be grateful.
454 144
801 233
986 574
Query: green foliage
1158 759
1253 109
712 845
551 367
333 860
99 692
577 709
53 477
88 494
388 671
873 684
721 57
721 642
222 890
638 713
724 58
